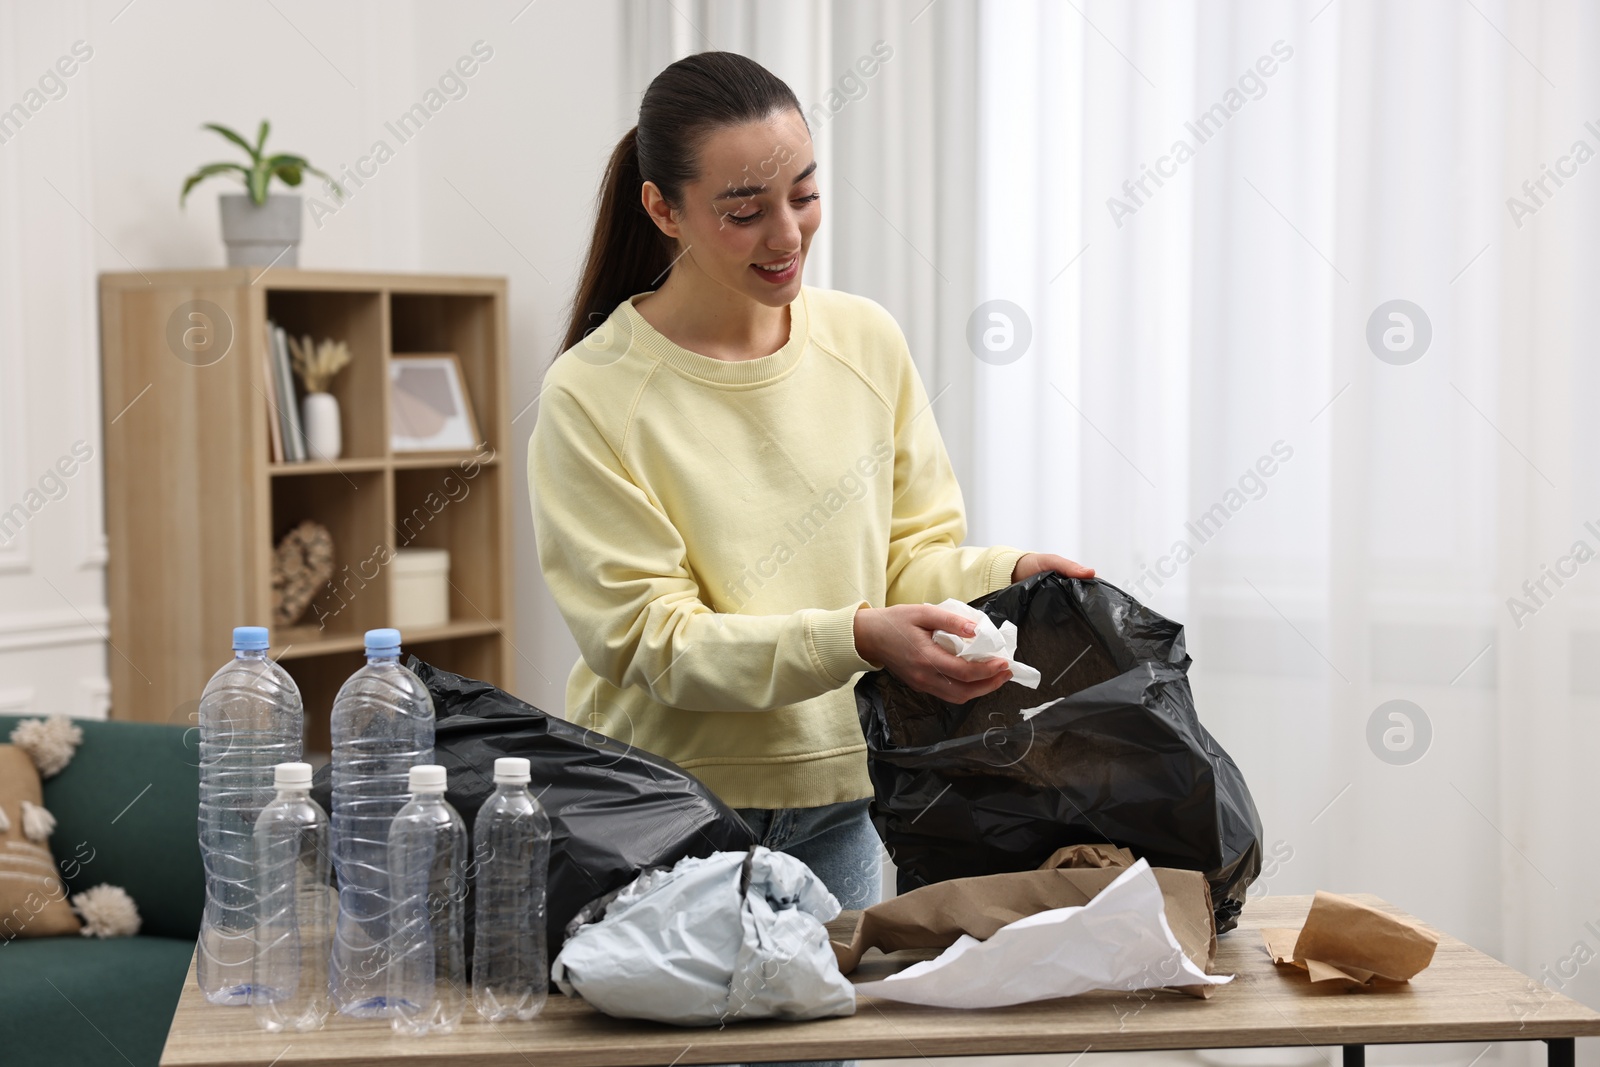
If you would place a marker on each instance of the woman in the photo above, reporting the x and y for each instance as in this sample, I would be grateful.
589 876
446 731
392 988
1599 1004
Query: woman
740 498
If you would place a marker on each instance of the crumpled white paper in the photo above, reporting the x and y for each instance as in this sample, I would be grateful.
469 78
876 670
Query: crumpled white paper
1120 940
989 641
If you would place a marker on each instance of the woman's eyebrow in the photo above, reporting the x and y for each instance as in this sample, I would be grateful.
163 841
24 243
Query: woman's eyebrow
744 192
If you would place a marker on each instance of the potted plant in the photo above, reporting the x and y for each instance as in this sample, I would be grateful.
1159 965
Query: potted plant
260 229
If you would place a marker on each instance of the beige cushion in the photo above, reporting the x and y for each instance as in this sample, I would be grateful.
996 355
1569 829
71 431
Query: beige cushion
33 902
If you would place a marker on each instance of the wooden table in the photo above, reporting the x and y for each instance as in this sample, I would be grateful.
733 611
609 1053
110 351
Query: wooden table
1463 996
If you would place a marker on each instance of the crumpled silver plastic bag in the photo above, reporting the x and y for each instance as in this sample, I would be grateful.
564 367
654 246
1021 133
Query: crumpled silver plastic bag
711 940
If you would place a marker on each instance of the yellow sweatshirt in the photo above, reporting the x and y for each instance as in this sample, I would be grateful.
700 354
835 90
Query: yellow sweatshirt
709 529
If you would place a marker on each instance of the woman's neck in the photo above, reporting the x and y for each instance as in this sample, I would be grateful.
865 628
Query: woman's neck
697 314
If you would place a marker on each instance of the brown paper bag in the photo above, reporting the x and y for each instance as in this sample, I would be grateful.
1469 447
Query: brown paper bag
1343 939
934 916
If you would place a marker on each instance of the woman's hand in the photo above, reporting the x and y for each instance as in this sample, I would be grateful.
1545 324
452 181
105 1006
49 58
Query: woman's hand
901 639
1034 562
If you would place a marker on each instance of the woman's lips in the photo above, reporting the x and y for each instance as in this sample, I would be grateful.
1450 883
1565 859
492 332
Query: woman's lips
778 277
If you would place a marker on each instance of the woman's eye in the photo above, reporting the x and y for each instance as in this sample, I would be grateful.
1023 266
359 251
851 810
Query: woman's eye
745 220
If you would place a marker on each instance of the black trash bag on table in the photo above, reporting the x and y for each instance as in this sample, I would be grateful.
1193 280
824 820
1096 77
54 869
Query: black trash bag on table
614 809
1119 754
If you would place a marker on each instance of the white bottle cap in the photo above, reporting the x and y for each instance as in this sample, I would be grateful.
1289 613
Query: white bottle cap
291 776
513 769
427 778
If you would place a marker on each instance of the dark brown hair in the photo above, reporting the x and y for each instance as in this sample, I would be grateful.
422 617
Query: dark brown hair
684 103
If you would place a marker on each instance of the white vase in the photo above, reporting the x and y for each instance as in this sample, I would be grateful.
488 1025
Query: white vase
319 415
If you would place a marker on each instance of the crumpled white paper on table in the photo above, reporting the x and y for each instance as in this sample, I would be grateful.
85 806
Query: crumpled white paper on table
990 640
1120 940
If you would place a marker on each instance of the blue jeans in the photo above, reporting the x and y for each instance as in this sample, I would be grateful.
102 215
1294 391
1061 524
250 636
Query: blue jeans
836 841
839 844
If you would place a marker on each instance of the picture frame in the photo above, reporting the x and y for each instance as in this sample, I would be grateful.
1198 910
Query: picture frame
429 409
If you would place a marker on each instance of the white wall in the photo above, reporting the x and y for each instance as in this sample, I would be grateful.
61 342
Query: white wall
501 181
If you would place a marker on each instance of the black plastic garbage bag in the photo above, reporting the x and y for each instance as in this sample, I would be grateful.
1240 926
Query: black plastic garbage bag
1118 754
614 809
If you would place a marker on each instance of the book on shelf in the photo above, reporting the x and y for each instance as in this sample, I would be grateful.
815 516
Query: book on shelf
268 372
294 445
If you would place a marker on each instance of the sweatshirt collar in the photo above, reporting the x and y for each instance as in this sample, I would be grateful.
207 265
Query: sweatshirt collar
720 371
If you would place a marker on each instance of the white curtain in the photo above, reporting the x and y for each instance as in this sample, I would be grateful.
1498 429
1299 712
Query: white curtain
1215 317
1341 523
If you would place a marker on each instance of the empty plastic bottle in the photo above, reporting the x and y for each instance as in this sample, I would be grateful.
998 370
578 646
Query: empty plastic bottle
382 726
511 854
428 873
294 927
250 721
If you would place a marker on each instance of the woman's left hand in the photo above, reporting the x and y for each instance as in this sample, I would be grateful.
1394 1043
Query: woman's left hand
1034 562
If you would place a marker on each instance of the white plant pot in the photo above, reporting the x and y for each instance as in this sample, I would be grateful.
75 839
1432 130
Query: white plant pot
319 417
261 235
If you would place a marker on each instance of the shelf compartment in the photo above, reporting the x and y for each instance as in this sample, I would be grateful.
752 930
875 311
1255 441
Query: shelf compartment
465 324
319 679
354 508
452 509
362 388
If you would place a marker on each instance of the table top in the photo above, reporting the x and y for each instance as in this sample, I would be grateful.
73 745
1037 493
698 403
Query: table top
1463 995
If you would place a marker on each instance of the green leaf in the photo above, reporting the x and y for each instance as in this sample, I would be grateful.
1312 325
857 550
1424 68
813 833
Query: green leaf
288 173
338 190
261 137
235 138
205 172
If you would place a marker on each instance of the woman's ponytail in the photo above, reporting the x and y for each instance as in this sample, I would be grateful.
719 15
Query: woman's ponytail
628 253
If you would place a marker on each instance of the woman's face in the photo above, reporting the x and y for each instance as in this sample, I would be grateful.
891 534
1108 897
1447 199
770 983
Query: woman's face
755 204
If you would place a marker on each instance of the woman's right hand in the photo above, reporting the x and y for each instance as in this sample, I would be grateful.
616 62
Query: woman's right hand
900 638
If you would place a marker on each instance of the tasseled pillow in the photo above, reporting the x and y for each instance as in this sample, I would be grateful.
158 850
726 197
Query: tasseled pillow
32 896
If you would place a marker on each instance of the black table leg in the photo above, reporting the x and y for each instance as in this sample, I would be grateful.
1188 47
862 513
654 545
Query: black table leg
1562 1051
1356 1056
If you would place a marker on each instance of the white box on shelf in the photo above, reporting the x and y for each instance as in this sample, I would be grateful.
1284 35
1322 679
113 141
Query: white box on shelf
419 587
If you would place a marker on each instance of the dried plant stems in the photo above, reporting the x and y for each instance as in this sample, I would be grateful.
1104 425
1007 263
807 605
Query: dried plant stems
317 364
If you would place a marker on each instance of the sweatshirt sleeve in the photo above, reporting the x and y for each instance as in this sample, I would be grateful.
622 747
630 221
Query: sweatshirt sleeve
617 569
926 564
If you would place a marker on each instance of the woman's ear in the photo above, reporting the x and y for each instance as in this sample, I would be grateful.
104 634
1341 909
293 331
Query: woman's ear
660 212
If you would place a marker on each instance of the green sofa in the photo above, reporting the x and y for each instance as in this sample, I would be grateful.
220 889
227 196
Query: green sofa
126 805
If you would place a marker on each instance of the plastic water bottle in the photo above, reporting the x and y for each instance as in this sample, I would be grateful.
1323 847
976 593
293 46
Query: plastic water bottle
294 927
511 848
250 721
382 726
428 873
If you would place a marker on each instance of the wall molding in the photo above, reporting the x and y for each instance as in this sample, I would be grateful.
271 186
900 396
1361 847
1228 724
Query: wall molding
52 629
18 701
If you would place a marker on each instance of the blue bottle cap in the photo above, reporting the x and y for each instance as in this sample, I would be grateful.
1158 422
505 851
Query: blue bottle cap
383 641
249 638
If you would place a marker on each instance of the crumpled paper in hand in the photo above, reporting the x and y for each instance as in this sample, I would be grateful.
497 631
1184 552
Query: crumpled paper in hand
990 641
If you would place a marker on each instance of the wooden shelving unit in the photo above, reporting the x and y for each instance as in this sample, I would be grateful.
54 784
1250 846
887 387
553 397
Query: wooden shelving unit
195 505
